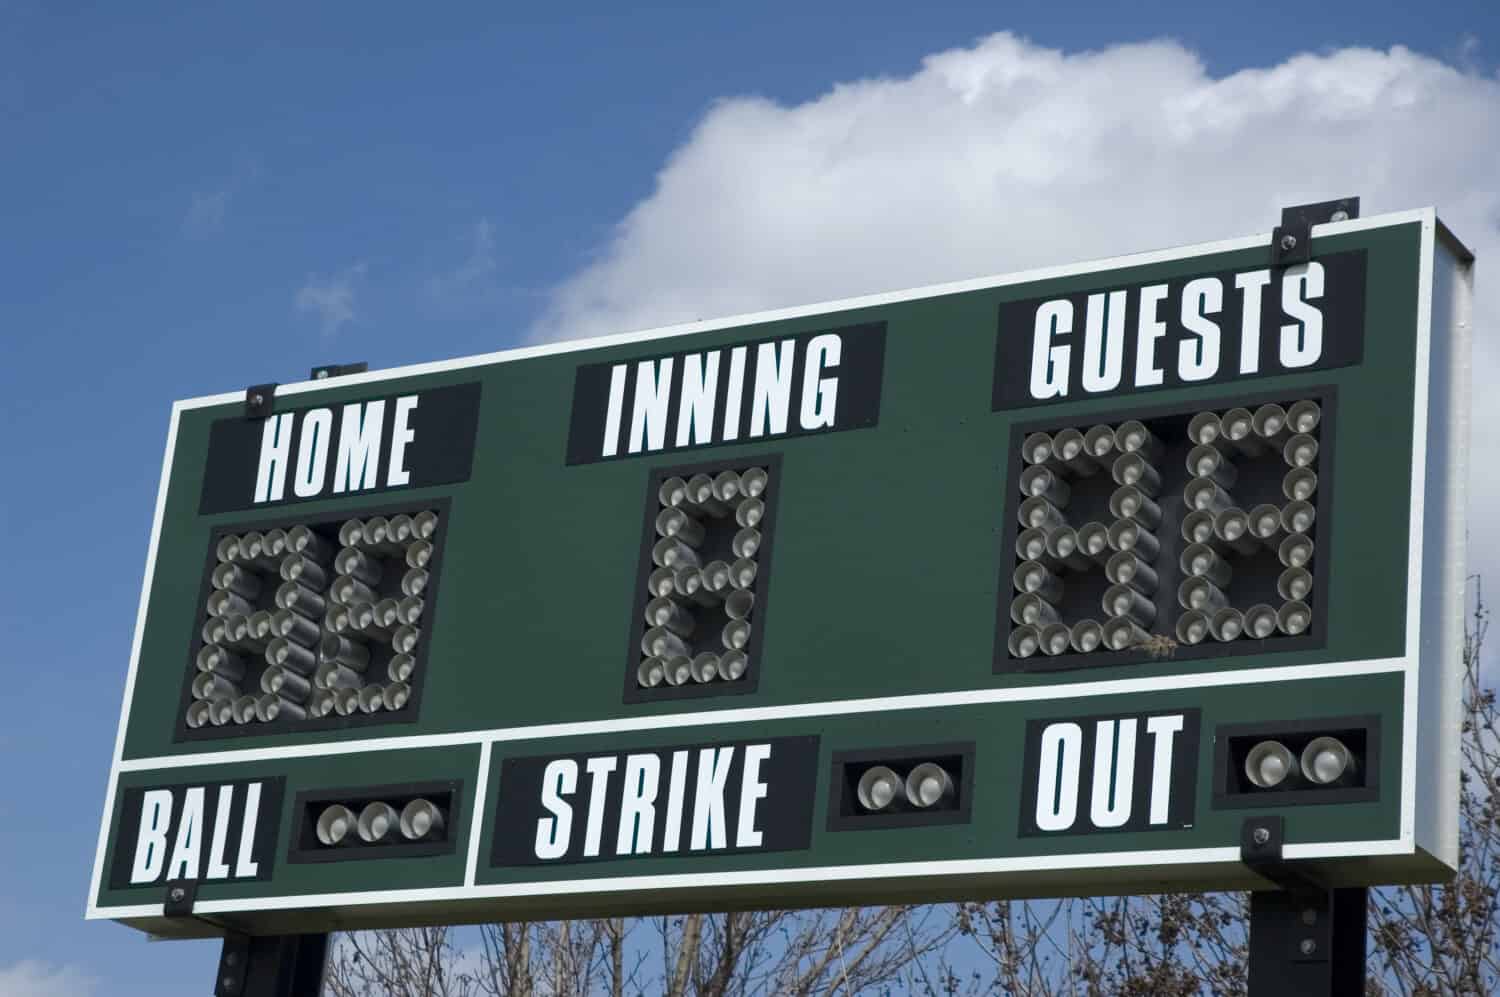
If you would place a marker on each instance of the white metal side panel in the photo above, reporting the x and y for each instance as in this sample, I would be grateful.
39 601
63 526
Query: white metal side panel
1440 676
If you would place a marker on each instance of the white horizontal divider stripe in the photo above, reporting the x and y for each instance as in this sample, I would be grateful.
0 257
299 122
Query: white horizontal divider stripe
972 697
754 877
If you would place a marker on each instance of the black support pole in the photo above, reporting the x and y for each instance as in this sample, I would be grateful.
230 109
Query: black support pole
274 966
1308 943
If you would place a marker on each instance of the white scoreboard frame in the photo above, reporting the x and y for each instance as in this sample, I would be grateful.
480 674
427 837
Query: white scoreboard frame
1434 632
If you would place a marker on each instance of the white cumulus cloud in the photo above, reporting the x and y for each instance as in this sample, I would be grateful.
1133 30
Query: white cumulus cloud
331 299
1007 155
29 978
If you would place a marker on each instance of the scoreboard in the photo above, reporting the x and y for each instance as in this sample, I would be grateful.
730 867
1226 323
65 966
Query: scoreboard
1031 585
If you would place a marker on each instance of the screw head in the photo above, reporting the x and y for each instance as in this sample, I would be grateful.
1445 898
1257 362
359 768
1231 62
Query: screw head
257 400
1308 946
178 893
1260 835
1288 243
1339 215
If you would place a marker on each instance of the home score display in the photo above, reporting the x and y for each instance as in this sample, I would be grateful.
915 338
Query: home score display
1029 585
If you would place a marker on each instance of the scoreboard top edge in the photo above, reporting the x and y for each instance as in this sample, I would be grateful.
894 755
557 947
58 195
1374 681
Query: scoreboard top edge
1105 264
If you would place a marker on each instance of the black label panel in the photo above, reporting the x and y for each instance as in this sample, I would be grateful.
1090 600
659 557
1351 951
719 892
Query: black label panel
362 447
1097 774
701 799
816 382
1208 329
205 831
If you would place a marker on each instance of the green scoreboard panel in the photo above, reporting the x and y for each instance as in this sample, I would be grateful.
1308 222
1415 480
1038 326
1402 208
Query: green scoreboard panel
1030 585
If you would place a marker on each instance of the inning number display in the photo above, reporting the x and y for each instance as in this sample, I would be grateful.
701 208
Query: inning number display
704 576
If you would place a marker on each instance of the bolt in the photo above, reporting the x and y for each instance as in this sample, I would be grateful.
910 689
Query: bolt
227 983
1288 243
1339 216
257 400
1260 835
231 958
178 893
1308 946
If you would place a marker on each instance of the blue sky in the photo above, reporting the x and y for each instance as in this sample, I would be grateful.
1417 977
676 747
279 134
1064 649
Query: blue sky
196 200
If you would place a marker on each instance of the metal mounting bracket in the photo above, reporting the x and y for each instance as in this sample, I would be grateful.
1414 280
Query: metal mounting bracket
181 895
1261 840
258 400
326 371
1291 241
